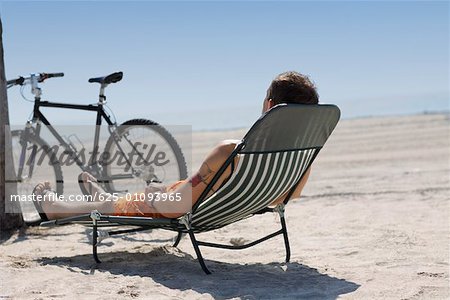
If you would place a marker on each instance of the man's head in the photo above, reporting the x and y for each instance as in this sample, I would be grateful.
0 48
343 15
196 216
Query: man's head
290 87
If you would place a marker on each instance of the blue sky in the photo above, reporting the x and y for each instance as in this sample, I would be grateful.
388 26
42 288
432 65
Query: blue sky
209 63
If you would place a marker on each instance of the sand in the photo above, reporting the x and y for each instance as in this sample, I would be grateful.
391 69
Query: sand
373 223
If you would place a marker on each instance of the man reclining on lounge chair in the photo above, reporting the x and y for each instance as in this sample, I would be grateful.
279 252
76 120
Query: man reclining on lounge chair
288 87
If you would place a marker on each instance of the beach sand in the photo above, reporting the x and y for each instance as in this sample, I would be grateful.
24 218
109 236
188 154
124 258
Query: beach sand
373 223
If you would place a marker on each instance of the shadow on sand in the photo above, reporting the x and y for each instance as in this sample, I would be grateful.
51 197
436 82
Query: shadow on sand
175 269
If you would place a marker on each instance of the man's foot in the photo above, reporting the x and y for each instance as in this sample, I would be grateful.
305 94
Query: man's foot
40 191
90 186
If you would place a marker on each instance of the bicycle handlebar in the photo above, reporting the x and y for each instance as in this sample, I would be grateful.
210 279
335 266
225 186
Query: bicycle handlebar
41 77
44 76
19 81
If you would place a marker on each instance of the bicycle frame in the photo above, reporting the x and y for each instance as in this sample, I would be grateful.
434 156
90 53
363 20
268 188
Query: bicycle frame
92 166
39 117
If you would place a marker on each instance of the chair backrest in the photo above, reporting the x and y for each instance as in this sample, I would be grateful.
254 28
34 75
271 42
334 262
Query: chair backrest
273 156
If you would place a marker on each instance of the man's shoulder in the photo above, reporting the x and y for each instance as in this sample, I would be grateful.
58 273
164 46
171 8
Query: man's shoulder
227 146
220 153
229 142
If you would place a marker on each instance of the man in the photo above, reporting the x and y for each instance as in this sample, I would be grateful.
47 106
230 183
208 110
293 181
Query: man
288 87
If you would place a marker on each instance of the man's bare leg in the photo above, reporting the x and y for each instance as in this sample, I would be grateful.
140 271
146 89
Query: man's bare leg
58 209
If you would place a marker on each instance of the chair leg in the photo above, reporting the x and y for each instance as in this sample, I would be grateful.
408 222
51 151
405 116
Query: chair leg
177 241
198 253
94 241
286 239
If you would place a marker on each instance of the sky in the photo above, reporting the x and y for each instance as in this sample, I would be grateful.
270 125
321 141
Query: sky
208 64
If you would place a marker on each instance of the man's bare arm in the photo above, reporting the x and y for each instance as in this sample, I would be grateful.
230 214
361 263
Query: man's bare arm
192 189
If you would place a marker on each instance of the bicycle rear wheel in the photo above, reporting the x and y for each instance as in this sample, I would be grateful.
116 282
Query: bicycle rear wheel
34 162
132 148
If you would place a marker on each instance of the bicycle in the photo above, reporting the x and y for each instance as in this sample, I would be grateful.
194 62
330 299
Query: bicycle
123 139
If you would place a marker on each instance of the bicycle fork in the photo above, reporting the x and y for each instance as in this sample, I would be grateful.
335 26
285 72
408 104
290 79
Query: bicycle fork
23 141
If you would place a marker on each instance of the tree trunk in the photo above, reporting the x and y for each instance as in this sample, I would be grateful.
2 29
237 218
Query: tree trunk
10 217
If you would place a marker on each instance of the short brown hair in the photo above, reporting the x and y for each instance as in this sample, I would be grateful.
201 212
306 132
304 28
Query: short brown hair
292 87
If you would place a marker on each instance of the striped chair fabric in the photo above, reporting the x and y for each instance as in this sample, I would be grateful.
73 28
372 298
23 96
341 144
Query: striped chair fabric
278 150
259 179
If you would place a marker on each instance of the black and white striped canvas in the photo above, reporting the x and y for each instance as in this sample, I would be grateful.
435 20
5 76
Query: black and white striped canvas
278 150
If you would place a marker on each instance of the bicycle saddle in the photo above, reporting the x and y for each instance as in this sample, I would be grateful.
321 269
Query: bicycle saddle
111 78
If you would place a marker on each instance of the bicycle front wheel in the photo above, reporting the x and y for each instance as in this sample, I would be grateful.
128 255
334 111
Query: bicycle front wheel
34 162
132 150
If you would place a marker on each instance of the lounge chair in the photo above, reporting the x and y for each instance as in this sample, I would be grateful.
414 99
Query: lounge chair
273 157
